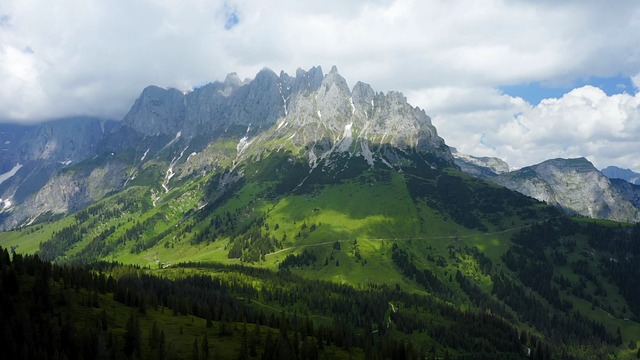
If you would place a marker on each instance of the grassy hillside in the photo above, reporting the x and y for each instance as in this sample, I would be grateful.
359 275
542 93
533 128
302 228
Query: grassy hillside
436 233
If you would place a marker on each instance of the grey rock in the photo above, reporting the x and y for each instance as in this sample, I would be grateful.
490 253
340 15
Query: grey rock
574 185
157 111
33 154
66 192
614 172
629 191
207 109
481 167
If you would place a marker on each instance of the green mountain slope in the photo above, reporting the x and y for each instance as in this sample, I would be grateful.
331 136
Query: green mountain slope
419 229
340 206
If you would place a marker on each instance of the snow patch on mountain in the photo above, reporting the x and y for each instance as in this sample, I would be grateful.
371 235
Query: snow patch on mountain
5 205
347 138
243 144
169 174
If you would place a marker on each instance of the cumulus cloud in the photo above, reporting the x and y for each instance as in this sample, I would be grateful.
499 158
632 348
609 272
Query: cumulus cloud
636 81
69 57
584 122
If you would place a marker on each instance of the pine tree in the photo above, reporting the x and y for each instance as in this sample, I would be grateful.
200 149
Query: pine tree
154 337
195 355
205 348
132 337
268 346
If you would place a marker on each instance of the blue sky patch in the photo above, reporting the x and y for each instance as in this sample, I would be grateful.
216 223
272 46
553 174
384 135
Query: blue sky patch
231 17
536 91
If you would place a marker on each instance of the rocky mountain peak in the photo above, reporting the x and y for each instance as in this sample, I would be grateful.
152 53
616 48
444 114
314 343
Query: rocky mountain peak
233 80
322 106
574 185
614 172
157 111
327 117
334 79
307 81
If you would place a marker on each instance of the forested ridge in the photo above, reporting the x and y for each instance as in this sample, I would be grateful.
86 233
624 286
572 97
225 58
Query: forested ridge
51 311
438 266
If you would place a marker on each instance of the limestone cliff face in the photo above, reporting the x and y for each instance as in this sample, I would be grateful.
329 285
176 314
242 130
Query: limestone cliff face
309 110
34 154
480 167
67 192
169 135
327 118
64 140
206 109
574 185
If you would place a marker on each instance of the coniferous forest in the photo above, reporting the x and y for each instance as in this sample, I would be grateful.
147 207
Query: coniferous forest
111 312
209 310
455 269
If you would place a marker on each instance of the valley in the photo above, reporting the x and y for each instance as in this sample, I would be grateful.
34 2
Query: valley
334 219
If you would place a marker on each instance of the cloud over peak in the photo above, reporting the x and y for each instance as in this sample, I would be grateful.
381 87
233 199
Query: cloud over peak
450 57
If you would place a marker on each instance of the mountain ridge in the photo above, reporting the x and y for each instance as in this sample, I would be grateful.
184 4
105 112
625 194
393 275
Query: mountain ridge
614 172
170 135
350 186
574 185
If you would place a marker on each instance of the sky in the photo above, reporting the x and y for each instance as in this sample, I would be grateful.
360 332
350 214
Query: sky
522 80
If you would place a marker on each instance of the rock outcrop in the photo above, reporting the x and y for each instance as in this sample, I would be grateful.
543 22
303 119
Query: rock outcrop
574 185
33 154
480 167
169 135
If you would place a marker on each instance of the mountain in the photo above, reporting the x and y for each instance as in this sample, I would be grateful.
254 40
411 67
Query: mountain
334 215
614 172
169 135
31 158
574 185
312 111
480 167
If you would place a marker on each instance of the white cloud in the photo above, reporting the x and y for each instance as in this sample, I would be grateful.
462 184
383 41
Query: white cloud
636 81
584 122
93 58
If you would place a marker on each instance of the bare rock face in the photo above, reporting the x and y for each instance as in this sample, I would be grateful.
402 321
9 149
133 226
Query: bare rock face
157 111
310 110
60 167
574 185
480 167
33 154
326 118
63 140
66 192
217 105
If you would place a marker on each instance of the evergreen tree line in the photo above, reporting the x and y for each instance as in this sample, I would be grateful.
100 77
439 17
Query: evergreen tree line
532 256
37 321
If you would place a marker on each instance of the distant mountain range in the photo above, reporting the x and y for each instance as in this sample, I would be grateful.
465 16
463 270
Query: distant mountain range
308 199
574 185
59 167
614 172
44 170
